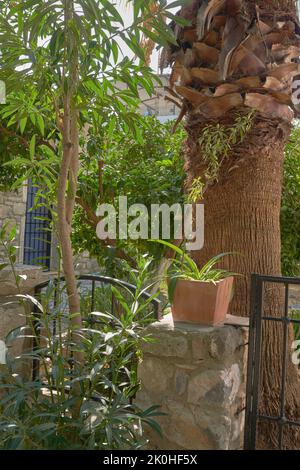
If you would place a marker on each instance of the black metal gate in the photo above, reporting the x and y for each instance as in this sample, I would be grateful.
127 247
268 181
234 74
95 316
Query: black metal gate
257 318
37 239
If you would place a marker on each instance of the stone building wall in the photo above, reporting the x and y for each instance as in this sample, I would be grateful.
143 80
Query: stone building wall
13 209
197 375
157 105
12 314
86 265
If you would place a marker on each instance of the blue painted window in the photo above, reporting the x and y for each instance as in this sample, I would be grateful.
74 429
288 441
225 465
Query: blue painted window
37 241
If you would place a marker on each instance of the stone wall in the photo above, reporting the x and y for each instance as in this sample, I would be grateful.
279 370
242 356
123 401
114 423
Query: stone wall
197 375
12 314
85 265
13 208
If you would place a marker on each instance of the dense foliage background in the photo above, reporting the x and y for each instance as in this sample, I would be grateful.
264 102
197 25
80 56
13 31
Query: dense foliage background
147 170
290 211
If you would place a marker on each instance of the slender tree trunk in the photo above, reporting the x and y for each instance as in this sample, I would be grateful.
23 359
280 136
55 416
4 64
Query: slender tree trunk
67 188
67 185
242 214
65 212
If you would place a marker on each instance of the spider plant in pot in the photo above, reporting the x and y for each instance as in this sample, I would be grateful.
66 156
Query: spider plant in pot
198 295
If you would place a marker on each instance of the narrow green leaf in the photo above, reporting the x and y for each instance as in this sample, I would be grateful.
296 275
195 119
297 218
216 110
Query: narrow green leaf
23 123
32 147
41 124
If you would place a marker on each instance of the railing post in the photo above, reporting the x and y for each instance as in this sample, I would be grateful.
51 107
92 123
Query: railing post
253 362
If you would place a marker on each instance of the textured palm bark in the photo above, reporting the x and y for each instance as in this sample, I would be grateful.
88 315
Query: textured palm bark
234 56
242 210
242 215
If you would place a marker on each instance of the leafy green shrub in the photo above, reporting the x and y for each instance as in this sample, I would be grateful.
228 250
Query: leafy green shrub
147 171
295 314
151 170
74 404
290 210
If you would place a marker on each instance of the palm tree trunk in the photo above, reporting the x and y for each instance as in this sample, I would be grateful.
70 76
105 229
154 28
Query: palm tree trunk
242 209
234 56
242 215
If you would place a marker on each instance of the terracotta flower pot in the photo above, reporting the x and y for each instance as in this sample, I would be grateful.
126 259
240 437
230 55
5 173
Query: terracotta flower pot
201 302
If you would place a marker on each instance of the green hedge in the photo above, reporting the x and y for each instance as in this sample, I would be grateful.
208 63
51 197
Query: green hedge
290 211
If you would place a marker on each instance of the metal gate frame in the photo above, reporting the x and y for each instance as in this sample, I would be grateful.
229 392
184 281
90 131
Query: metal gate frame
252 415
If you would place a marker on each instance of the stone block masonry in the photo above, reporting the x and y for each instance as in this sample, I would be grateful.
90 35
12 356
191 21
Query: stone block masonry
12 314
13 209
198 377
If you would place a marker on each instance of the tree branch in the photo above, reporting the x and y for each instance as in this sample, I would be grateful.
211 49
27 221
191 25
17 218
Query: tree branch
92 220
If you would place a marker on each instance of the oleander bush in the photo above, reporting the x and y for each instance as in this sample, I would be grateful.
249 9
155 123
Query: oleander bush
71 403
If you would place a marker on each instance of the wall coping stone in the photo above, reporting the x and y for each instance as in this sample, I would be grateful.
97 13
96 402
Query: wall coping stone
168 324
7 281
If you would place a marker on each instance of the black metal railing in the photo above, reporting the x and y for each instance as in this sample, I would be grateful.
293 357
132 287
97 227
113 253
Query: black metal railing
256 337
91 283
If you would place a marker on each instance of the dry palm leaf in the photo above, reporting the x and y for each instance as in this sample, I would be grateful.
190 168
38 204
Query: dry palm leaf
182 113
190 35
146 42
186 78
226 88
193 96
189 11
279 52
221 32
165 58
264 28
214 7
168 98
252 42
200 19
172 92
257 45
294 53
211 38
282 97
277 37
251 65
268 106
207 76
216 107
286 26
233 36
273 84
284 72
245 62
190 58
208 55
249 82
283 53
233 7
176 72
218 22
